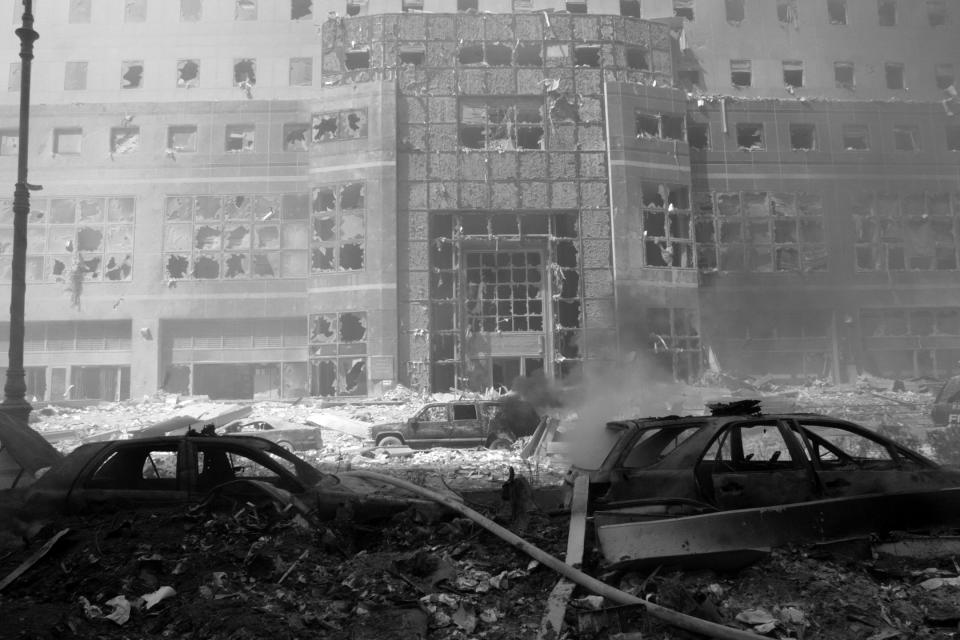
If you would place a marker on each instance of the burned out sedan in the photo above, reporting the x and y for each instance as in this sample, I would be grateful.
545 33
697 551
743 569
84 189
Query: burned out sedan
289 435
123 474
684 465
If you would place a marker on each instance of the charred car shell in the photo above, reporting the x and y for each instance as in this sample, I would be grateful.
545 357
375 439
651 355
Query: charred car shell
678 466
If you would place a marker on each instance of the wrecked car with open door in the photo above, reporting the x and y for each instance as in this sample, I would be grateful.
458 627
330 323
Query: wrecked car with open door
812 466
126 474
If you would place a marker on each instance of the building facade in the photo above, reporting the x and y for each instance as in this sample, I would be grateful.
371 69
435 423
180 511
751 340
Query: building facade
253 199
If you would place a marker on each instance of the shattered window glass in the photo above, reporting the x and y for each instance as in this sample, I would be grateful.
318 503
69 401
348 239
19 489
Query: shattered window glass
338 348
338 241
231 237
905 232
501 124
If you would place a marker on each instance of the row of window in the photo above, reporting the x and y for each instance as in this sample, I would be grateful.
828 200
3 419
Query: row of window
803 135
630 8
741 74
888 11
134 11
130 75
238 138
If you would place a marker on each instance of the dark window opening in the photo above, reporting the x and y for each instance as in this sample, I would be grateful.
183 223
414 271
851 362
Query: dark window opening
843 74
671 127
470 54
741 73
576 7
749 136
690 78
887 13
300 9
837 11
735 11
698 136
637 58
529 55
630 8
296 137
894 74
357 59
802 137
855 137
586 55
498 55
787 11
648 126
944 75
906 138
683 9
412 55
793 73
953 138
188 71
937 12
245 72
467 5
132 74
353 9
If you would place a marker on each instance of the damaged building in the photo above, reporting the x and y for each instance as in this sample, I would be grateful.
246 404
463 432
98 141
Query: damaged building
450 195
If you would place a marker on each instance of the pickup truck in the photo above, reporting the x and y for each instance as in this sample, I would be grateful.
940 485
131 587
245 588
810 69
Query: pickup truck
494 424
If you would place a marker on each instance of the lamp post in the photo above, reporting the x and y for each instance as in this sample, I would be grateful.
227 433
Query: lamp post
15 390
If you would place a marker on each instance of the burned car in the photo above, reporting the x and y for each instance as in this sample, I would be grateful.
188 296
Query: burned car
946 405
495 424
726 487
708 463
289 435
137 473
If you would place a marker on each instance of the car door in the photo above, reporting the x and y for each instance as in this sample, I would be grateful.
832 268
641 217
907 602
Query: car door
431 426
215 462
132 474
758 463
467 429
851 461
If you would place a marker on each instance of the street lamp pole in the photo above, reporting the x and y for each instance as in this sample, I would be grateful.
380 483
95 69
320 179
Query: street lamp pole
15 390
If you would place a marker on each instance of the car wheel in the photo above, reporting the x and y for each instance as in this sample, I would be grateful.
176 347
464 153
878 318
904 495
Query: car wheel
390 441
286 445
501 441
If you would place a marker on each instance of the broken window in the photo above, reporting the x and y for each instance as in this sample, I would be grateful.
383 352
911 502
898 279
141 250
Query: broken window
637 58
576 6
741 73
501 123
79 11
698 136
498 55
338 241
245 10
9 142
467 5
188 73
124 140
470 54
793 73
944 75
630 8
837 11
412 5
67 141
856 137
887 13
663 126
734 11
325 127
894 75
239 138
301 9
337 347
682 9
690 78
131 74
191 10
904 232
787 11
296 136
354 7
906 138
503 291
357 58
666 224
750 136
75 76
244 72
135 10
802 137
182 138
301 72
843 74
953 137
415 55
586 55
937 12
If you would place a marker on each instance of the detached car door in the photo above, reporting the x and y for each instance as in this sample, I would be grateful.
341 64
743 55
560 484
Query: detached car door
757 464
130 475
